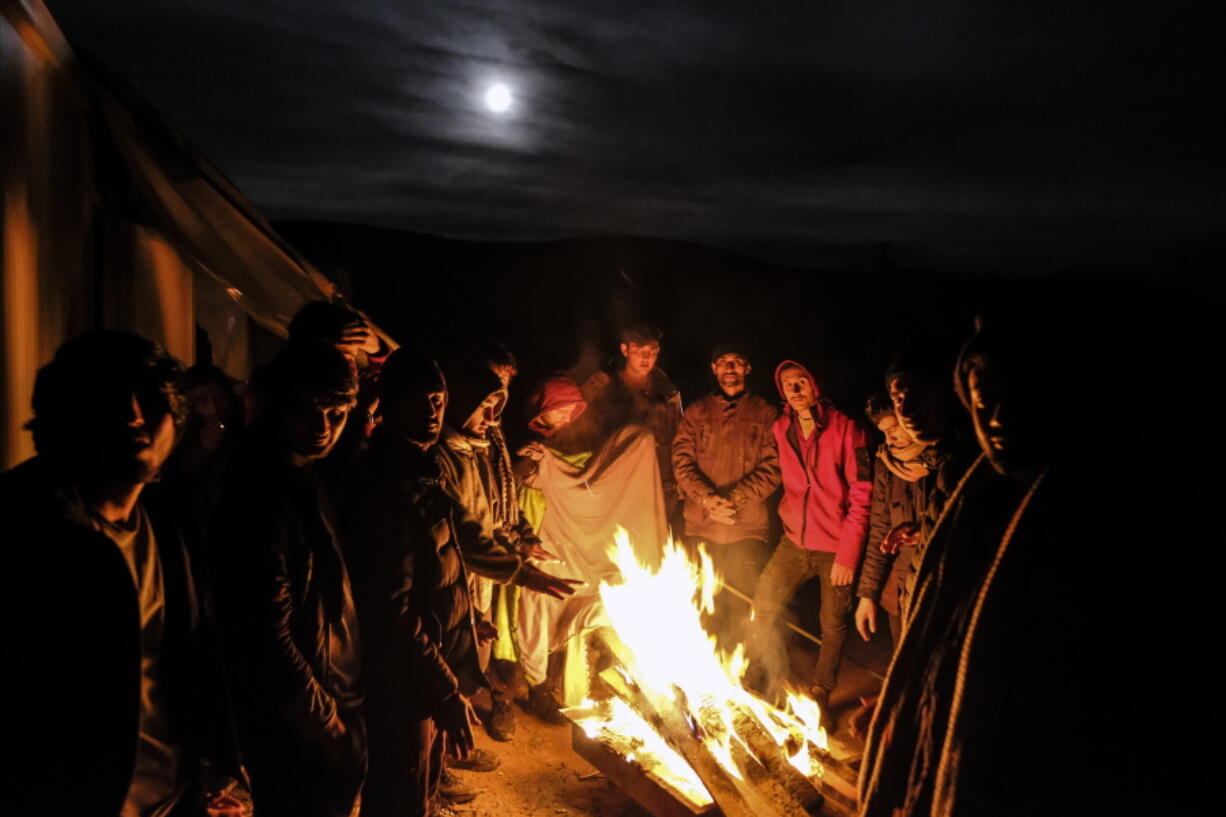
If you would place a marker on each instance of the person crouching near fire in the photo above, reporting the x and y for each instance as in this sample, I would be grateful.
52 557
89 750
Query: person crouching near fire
399 528
827 482
116 698
580 489
726 465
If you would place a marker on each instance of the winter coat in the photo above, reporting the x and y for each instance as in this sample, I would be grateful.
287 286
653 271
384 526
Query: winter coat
827 479
410 582
895 501
1001 651
285 605
72 635
725 446
466 470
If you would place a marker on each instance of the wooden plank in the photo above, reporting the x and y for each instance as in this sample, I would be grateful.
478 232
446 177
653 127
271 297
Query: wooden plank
648 790
774 758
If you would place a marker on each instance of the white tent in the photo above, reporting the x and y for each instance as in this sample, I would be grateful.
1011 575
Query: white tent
112 219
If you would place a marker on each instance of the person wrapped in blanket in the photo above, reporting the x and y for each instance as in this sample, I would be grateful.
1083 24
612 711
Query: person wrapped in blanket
579 488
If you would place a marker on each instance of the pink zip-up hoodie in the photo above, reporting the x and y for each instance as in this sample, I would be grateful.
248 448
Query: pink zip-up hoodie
827 479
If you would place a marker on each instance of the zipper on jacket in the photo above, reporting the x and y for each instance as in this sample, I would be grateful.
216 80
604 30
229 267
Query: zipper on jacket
804 506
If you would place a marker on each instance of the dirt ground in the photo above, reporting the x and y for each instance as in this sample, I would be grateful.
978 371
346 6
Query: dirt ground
541 776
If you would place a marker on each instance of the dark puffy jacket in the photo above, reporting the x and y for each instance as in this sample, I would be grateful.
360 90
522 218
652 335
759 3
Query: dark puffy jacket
726 447
895 501
285 606
73 653
410 581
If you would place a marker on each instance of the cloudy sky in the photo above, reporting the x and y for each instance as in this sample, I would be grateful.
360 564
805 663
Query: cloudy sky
941 123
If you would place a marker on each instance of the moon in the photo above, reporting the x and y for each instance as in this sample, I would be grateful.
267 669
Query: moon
498 98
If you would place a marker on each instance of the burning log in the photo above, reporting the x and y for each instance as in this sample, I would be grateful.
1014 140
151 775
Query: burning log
772 756
758 791
676 730
677 692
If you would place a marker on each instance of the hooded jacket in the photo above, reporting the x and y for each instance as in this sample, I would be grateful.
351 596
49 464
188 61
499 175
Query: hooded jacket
827 479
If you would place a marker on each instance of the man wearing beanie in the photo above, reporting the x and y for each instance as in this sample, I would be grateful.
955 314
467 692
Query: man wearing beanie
726 465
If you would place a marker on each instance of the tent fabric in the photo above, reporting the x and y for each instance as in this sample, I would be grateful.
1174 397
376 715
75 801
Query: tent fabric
111 218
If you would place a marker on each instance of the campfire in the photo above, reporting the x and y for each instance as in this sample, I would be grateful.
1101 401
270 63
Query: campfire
679 725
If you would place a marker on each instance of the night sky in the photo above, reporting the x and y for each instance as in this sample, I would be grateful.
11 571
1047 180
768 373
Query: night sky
773 127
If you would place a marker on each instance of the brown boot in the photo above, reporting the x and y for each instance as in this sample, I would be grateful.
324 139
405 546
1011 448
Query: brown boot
545 705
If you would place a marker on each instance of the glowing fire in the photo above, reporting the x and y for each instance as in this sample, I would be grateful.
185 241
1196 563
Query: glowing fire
667 654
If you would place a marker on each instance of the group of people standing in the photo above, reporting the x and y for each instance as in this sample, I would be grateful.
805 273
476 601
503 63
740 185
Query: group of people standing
307 593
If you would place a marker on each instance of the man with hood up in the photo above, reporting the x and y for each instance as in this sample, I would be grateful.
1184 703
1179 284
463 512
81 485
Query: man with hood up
827 483
497 544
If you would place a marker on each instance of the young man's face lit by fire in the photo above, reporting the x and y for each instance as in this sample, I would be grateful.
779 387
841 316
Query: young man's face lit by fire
922 406
895 435
561 416
416 412
640 357
132 437
730 372
483 416
799 390
313 426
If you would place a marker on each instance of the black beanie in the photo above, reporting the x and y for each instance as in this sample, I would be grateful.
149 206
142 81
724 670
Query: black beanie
729 347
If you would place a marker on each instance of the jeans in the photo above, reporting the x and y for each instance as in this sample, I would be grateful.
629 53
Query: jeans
789 568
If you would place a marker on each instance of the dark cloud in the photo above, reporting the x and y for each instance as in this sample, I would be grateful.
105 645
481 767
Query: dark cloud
781 124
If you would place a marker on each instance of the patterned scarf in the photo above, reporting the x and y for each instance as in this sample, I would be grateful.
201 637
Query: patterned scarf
910 462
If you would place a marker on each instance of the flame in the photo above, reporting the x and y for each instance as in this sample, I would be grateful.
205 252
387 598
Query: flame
614 723
656 613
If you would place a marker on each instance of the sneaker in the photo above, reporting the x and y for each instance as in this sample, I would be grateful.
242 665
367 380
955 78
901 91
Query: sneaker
453 790
501 721
439 808
478 760
545 705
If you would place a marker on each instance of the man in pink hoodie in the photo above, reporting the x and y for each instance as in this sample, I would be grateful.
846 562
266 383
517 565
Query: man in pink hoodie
827 483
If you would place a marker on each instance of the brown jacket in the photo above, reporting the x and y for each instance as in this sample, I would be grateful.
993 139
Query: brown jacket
726 447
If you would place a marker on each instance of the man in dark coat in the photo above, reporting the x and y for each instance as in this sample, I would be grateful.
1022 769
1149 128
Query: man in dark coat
917 383
999 666
117 700
497 541
726 465
283 594
412 589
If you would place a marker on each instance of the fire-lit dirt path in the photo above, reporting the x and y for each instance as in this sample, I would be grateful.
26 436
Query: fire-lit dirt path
541 776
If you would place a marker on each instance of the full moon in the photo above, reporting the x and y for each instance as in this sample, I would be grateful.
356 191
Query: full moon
498 98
